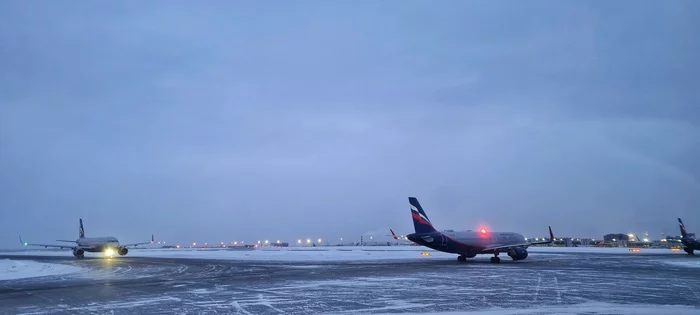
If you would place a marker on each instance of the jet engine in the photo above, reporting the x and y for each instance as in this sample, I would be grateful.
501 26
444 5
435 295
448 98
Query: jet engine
517 253
470 254
122 251
80 253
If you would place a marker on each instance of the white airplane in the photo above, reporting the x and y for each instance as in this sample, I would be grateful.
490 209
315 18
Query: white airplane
109 245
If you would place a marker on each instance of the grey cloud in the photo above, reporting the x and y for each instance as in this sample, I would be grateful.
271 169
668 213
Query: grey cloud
226 121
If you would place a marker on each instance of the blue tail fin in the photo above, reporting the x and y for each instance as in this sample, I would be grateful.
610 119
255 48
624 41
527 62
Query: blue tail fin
420 220
684 233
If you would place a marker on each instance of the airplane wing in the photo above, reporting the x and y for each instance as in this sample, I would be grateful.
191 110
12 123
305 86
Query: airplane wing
137 244
523 244
46 245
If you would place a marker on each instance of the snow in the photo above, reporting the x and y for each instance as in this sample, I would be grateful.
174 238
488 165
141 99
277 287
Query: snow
691 263
347 253
19 269
584 308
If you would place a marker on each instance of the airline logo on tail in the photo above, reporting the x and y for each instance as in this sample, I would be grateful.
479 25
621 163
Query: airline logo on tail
419 216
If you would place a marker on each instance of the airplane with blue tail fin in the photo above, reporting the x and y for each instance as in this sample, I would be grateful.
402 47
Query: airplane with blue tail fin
468 244
690 244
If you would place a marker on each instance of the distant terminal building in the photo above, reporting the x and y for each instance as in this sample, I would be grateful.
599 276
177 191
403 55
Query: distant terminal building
617 239
282 244
585 241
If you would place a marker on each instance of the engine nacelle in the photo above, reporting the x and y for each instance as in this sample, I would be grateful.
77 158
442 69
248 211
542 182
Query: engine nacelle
78 253
122 251
517 253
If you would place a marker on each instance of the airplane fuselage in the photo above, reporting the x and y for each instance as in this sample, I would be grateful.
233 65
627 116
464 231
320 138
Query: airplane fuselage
690 245
469 243
98 244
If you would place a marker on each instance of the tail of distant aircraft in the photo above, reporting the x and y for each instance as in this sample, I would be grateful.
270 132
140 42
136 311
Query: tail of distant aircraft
420 220
81 232
684 233
394 234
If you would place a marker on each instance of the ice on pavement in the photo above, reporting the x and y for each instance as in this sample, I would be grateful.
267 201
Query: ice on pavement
683 263
345 253
584 308
18 269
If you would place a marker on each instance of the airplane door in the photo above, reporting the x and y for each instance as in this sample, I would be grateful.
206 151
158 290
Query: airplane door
444 240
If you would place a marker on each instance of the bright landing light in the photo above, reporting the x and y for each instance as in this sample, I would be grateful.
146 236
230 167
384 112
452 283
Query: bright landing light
109 252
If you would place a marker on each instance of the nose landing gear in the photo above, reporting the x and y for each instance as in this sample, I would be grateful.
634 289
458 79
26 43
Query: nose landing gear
495 258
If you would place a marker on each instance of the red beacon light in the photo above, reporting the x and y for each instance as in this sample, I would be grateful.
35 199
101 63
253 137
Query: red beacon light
483 231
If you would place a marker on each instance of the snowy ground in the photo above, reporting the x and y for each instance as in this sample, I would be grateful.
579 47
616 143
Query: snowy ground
19 269
360 280
591 308
340 253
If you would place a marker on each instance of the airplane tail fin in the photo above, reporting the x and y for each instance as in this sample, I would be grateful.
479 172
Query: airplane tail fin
393 234
81 231
684 233
420 220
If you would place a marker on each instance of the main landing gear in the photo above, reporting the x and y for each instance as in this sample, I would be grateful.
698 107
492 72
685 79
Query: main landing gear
462 258
495 258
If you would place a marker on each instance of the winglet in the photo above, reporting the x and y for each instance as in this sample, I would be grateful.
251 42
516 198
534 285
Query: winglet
551 235
21 241
152 239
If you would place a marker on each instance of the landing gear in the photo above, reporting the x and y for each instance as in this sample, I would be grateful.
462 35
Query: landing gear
495 258
462 258
689 251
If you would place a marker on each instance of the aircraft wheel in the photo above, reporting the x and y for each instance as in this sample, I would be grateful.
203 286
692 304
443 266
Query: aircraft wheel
495 260
81 256
461 258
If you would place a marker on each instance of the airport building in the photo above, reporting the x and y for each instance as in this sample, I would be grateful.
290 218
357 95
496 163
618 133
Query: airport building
585 241
617 239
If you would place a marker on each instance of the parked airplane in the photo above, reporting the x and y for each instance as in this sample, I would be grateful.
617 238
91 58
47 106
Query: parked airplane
467 244
401 239
690 244
83 244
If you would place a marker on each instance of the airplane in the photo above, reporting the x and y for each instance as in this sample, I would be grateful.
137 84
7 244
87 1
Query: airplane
468 244
109 245
690 244
401 240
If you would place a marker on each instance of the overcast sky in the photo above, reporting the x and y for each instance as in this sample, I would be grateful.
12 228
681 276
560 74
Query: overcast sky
221 120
